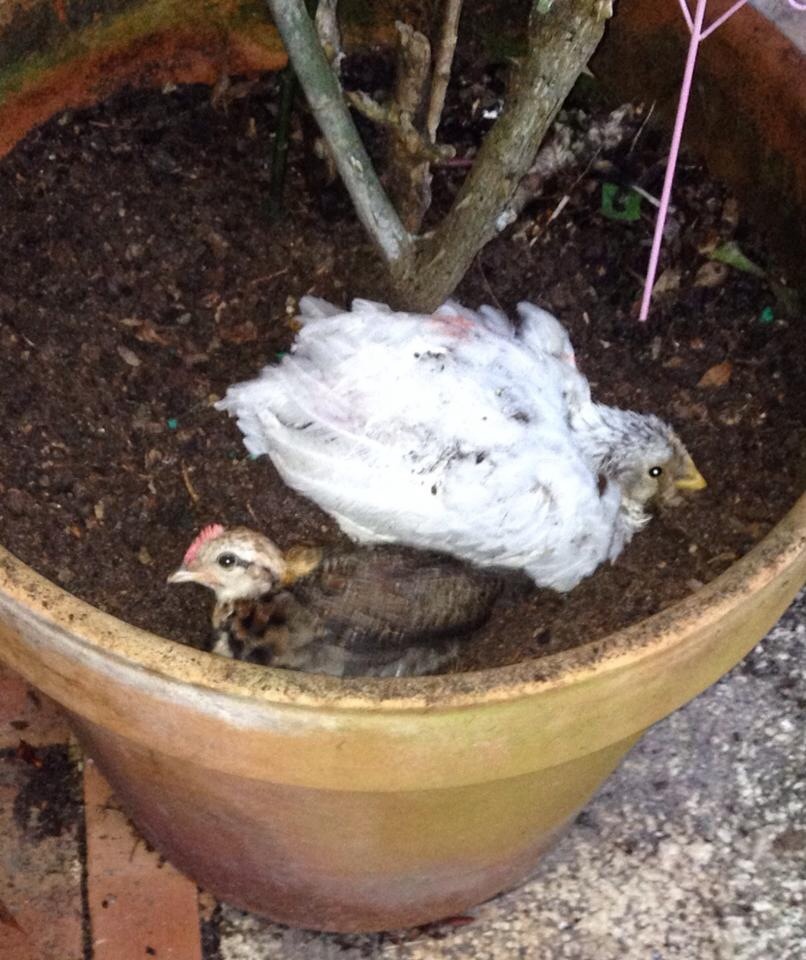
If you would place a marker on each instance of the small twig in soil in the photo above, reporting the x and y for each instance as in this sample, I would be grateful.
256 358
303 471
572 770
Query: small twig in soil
192 492
559 208
268 277
727 556
645 194
640 132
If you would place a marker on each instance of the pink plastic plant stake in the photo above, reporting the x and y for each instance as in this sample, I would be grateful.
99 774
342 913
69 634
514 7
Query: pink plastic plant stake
698 34
695 26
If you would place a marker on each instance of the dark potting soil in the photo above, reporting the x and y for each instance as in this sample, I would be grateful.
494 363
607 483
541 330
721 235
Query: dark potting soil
140 275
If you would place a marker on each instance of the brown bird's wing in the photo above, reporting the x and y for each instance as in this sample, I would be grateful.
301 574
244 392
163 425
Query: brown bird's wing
394 597
384 611
279 631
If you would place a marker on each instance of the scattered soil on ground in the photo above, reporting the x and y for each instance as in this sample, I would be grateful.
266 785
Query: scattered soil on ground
49 800
140 275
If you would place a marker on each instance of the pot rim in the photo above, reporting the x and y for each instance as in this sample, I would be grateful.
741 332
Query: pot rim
781 555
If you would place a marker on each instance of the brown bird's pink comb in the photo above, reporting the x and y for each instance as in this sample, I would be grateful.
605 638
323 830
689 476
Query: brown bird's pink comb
208 533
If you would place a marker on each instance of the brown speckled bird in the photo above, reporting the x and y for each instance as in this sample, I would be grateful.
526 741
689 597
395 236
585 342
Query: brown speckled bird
361 611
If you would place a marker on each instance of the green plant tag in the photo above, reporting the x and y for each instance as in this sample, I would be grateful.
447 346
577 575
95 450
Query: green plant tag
618 204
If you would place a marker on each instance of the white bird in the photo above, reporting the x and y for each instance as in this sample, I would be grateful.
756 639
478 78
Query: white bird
460 432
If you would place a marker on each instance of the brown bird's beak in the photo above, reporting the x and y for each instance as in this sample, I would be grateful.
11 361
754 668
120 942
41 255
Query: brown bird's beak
691 478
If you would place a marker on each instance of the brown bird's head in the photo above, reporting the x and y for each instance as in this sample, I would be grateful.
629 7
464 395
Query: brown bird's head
236 564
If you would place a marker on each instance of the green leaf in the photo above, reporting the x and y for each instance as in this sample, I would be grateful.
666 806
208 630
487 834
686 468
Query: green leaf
731 254
618 204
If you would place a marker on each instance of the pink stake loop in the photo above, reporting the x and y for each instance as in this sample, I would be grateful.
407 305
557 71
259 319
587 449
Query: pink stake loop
671 163
720 20
698 34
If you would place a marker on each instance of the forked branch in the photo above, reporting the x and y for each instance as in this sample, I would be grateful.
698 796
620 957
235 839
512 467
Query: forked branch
424 271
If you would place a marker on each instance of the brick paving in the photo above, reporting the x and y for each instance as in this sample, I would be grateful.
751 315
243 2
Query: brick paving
131 906
139 905
41 903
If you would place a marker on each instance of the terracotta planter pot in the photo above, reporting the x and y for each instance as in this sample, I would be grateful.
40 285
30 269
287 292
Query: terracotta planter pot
355 805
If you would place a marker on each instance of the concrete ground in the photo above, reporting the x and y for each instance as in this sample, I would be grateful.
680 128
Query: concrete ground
695 849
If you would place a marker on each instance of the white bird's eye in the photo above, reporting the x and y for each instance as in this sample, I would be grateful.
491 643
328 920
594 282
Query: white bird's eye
655 471
227 560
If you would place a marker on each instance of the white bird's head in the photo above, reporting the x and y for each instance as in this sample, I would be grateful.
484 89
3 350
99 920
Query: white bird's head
648 461
236 564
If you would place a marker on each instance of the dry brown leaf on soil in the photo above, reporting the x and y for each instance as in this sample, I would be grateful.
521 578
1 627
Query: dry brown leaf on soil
667 282
712 274
717 376
146 332
129 356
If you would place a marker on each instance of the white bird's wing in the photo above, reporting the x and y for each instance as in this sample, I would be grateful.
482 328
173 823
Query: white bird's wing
442 432
543 333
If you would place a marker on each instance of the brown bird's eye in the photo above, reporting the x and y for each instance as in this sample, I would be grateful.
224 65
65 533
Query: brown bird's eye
227 560
655 471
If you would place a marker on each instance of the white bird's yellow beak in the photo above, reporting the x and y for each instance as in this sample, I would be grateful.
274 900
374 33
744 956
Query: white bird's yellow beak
691 478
